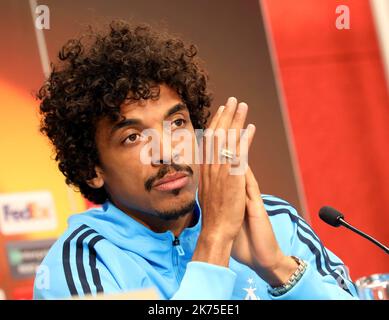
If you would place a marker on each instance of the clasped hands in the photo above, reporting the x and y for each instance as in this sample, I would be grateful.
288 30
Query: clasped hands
235 222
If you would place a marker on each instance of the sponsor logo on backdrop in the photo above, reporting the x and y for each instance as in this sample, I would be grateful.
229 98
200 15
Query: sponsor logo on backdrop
24 257
26 212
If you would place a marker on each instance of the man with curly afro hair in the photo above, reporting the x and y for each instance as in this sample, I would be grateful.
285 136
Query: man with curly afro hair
189 229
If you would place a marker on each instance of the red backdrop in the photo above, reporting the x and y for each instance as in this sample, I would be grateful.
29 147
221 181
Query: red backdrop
336 96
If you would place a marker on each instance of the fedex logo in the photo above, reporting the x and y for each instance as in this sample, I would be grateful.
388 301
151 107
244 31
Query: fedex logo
31 211
27 212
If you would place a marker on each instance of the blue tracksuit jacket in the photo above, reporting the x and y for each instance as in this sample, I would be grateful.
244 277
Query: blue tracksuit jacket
106 251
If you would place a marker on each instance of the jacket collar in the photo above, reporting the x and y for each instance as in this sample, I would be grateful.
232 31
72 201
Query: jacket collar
127 233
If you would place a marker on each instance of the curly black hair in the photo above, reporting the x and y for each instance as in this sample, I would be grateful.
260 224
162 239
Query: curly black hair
96 74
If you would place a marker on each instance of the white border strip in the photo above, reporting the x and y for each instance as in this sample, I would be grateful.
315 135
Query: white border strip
380 12
285 113
40 38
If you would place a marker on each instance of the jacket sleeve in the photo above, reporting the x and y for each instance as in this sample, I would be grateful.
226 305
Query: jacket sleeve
206 281
73 271
326 276
74 268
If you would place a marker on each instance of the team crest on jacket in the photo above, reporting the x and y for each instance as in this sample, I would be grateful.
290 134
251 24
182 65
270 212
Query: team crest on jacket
250 291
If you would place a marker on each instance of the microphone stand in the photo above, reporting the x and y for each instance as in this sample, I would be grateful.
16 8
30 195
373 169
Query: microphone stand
349 226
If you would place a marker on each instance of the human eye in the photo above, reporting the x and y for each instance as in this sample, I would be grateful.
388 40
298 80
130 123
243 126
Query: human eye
178 123
132 138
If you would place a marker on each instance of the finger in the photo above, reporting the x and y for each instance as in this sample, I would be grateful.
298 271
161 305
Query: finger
244 142
228 114
239 117
251 129
207 140
239 164
252 188
216 117
237 124
220 132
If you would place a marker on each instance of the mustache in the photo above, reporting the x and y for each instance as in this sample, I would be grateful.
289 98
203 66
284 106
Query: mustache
165 170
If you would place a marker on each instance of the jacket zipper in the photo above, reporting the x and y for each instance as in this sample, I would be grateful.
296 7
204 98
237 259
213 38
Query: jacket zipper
177 251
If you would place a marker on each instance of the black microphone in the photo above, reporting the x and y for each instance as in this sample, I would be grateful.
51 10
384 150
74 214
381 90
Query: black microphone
334 218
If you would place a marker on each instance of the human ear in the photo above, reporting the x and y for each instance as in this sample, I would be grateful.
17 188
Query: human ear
98 181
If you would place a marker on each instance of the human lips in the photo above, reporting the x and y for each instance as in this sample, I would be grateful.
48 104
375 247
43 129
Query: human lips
172 181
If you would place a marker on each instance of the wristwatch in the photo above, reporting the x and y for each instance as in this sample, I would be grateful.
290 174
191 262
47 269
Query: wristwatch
294 278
